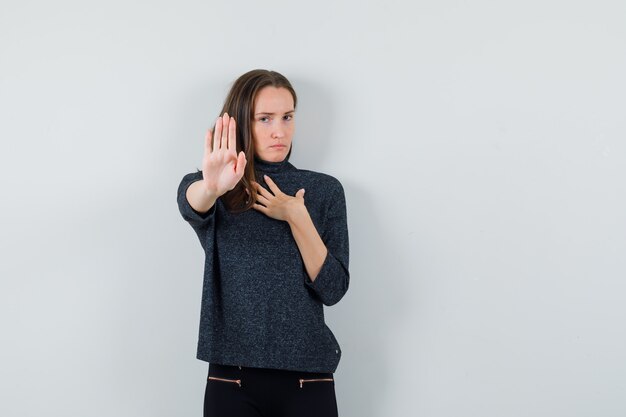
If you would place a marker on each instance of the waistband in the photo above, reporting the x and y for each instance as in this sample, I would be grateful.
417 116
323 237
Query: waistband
231 369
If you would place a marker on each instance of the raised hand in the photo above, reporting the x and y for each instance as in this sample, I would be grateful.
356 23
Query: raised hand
222 168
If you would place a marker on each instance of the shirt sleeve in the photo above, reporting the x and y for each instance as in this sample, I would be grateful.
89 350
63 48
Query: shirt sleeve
333 279
199 221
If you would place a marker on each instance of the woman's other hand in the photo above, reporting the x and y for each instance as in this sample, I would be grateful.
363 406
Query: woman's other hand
277 204
222 168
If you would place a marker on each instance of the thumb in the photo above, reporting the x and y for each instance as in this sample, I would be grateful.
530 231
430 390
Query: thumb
300 193
241 164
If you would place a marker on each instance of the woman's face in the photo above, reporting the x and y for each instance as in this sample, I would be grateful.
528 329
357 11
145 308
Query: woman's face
273 124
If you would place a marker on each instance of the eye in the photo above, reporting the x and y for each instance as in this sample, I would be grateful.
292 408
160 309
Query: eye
264 119
288 117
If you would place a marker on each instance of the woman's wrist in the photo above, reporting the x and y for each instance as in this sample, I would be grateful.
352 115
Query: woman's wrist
200 198
297 214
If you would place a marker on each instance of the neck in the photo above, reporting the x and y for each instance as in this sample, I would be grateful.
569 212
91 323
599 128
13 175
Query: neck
270 166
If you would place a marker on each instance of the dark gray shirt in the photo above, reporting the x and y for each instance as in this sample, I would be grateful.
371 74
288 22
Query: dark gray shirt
259 306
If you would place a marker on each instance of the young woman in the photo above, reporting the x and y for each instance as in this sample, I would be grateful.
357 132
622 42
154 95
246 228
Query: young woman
273 258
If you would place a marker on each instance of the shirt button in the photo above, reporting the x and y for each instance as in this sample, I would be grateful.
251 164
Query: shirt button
336 351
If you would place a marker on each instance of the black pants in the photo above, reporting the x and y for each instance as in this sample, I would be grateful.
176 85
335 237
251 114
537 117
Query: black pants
234 391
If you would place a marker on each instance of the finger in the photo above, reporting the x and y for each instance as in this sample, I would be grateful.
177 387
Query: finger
272 185
232 135
225 123
207 141
261 190
259 207
261 199
241 164
217 135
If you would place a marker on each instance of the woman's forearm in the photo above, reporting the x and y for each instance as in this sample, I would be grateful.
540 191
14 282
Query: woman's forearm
199 199
309 242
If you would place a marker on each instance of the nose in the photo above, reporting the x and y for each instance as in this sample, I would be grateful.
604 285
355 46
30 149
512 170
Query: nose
278 132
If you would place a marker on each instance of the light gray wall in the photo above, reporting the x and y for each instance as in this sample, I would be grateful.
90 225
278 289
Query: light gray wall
481 146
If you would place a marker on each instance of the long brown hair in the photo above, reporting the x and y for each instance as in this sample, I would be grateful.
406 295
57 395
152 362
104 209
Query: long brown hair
239 103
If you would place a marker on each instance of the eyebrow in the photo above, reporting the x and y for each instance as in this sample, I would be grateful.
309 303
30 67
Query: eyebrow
271 114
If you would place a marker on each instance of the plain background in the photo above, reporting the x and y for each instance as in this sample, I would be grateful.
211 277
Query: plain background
481 146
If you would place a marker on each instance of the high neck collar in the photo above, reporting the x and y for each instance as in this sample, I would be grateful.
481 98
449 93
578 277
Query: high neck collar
269 166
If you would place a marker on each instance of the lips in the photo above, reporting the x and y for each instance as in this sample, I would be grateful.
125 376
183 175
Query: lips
278 146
